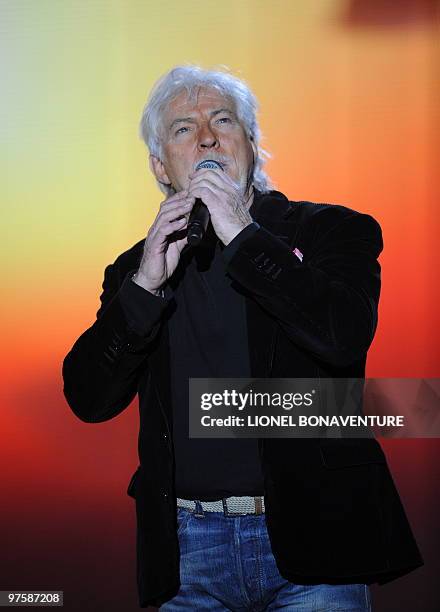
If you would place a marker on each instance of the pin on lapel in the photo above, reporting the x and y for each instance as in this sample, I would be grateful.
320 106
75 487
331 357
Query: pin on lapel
298 253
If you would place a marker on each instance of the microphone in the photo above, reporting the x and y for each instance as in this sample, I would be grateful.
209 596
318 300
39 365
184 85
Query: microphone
199 217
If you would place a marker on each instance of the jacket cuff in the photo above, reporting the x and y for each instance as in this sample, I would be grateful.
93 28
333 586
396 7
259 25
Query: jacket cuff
230 249
142 309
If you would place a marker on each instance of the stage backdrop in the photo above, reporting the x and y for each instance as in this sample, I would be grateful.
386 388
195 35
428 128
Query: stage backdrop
349 102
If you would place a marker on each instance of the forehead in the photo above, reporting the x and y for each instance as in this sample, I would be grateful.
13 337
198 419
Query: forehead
201 99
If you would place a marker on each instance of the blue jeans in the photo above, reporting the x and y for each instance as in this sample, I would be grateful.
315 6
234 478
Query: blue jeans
226 563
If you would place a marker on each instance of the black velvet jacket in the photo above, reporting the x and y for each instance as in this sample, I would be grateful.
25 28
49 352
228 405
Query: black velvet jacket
332 511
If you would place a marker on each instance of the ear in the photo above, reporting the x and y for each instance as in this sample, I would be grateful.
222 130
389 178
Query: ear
158 169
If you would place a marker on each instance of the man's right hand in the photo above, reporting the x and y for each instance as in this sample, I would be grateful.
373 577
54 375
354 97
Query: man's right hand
164 242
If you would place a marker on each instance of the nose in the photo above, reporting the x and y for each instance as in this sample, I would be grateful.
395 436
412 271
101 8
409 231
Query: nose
207 138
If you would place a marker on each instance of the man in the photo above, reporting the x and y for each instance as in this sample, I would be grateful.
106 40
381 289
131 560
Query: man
276 289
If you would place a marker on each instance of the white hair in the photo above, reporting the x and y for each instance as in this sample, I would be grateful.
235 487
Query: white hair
189 78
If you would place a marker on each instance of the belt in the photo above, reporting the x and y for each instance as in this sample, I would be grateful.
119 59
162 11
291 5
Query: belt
230 506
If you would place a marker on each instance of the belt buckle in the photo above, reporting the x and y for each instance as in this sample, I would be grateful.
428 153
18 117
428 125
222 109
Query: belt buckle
226 511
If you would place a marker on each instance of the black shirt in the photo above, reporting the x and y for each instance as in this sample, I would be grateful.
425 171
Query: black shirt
208 339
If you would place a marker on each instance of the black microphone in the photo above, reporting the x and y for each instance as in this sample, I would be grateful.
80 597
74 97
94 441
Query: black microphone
199 217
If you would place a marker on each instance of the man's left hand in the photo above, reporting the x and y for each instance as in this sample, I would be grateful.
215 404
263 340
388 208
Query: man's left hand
224 200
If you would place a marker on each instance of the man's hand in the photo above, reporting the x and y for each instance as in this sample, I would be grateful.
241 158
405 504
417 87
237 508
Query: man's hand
224 200
164 242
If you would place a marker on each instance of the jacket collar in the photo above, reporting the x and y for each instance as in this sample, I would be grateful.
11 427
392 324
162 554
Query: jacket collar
271 206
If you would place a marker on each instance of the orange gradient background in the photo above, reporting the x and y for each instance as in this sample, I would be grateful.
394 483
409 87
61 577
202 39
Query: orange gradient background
349 109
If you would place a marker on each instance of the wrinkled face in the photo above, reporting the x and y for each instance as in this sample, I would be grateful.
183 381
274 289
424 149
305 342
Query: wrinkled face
202 127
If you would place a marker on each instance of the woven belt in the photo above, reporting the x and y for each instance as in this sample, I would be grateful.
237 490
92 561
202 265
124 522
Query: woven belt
230 506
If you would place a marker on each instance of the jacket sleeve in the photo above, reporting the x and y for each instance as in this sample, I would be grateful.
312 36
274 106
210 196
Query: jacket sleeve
101 370
327 304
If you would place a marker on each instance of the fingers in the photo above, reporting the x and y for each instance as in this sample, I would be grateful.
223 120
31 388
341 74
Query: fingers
167 227
173 207
175 198
210 183
172 213
221 179
173 216
206 192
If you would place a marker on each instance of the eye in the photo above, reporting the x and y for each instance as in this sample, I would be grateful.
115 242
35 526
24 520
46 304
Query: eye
223 119
179 131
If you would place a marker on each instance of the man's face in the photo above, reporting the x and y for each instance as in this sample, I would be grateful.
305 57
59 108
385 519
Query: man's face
203 127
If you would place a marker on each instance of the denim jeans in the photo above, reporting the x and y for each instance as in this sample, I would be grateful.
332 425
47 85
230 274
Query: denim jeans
226 563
